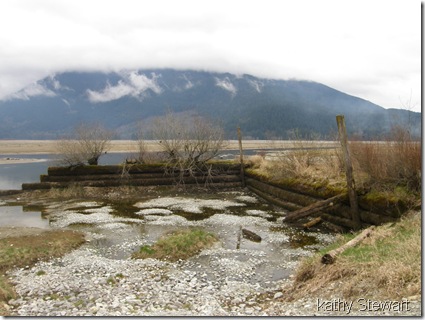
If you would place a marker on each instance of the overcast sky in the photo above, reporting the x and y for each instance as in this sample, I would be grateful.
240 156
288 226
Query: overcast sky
366 48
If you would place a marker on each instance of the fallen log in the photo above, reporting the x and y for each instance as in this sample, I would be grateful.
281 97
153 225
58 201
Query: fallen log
313 208
251 235
312 223
330 257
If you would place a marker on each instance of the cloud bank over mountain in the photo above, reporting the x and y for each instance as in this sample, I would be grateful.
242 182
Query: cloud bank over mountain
370 49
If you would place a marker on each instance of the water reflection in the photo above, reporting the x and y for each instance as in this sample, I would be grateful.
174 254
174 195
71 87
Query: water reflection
20 217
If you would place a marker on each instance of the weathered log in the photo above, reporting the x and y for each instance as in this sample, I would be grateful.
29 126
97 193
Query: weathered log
9 192
295 187
290 196
313 208
281 203
251 235
330 257
312 223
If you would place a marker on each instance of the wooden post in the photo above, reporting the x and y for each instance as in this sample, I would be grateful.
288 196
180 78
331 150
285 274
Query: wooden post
355 215
241 157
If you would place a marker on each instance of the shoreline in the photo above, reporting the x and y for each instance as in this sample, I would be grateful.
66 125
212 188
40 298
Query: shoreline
8 147
49 146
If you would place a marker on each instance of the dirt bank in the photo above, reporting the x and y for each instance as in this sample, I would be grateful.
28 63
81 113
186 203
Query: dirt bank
7 232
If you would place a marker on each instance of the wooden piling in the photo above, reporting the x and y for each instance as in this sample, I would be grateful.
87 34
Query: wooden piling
355 216
241 157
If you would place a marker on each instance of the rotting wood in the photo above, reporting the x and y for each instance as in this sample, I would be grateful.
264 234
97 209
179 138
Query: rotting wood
313 208
312 223
330 257
247 234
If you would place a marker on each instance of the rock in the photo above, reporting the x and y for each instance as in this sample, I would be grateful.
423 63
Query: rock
278 295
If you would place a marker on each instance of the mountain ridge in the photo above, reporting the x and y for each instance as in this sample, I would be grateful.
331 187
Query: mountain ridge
263 108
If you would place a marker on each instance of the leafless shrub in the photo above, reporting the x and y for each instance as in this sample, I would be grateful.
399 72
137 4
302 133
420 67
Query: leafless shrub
87 144
188 143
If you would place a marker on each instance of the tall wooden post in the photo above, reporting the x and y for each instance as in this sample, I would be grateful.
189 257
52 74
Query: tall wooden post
351 186
241 157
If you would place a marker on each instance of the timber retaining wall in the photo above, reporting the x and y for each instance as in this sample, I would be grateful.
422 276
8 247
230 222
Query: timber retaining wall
297 196
221 175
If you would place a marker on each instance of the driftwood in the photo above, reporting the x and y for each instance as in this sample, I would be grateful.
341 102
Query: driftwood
313 208
251 235
330 257
312 223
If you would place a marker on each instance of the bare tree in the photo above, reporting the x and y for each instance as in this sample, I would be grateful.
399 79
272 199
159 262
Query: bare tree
188 142
87 144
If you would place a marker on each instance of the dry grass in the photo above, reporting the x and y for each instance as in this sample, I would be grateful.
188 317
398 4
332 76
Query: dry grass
390 169
312 162
389 162
385 266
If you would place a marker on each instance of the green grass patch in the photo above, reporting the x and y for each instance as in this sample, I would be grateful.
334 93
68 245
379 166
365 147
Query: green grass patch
177 245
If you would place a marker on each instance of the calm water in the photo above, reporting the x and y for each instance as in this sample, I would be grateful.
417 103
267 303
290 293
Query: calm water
18 216
12 176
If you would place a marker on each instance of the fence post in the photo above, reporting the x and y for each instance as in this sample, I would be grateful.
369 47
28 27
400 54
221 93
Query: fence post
355 216
241 157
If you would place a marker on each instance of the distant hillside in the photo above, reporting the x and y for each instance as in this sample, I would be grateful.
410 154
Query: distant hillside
263 108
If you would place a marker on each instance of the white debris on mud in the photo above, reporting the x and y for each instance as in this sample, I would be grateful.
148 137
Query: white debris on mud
249 199
188 204
96 216
259 213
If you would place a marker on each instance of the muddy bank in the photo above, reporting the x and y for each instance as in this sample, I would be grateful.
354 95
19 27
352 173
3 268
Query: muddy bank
13 231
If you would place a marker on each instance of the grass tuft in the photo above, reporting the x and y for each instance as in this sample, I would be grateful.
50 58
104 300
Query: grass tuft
177 245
